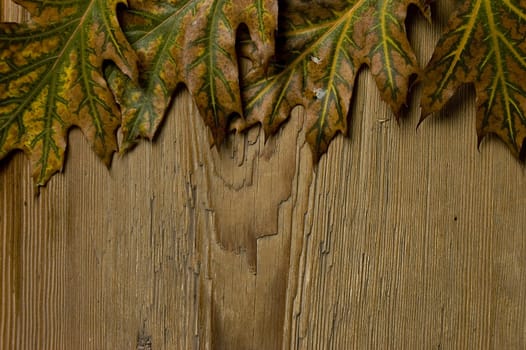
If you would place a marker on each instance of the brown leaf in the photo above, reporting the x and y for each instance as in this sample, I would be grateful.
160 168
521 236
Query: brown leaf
322 46
484 44
191 42
52 80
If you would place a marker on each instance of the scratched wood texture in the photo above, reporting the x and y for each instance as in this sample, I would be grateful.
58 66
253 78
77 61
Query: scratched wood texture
401 238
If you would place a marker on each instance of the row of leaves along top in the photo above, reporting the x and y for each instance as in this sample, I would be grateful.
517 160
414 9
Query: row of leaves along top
105 64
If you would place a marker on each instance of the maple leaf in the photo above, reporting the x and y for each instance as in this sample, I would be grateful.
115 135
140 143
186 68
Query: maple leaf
191 42
321 46
51 79
483 44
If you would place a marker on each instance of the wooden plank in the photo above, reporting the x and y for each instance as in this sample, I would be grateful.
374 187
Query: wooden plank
400 238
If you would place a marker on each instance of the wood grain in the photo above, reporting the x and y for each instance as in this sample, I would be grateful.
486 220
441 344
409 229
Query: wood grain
400 238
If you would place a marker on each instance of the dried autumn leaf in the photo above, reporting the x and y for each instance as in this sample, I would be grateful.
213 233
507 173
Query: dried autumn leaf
51 79
191 42
322 45
484 44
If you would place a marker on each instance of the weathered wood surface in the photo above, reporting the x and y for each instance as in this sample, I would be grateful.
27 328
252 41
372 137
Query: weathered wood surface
403 238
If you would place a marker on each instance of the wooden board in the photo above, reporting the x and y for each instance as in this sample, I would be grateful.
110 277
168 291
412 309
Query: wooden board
400 238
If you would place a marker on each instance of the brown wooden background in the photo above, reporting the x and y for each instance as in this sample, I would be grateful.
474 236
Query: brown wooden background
403 238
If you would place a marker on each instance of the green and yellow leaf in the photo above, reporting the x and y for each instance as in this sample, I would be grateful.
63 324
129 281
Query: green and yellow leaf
191 42
484 44
321 46
51 79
